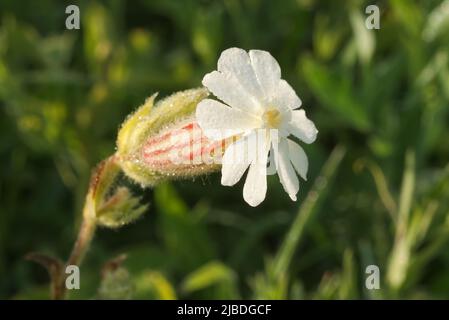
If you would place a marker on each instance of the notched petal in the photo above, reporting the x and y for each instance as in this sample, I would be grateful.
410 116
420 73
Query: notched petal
302 127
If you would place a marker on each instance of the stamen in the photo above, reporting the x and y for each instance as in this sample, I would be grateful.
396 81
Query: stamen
272 118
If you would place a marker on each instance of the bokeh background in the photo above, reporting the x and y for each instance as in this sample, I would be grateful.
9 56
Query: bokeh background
378 187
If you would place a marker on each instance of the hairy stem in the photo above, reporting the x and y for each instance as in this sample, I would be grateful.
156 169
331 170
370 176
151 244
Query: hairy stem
101 180
85 235
82 244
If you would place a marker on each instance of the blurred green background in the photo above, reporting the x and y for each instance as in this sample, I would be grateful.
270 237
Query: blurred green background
380 97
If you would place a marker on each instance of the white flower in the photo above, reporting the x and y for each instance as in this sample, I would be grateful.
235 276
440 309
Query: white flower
257 106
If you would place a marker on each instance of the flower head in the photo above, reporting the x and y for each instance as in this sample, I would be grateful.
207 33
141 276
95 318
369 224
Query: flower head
163 141
257 107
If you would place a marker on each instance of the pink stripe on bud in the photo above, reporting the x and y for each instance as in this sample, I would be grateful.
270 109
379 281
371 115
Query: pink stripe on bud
182 149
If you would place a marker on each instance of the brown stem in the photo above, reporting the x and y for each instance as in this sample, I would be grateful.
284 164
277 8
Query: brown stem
85 235
82 244
54 267
101 180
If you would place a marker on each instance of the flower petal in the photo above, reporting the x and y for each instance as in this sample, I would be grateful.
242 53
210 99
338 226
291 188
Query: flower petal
298 158
267 71
286 173
302 127
218 121
285 97
255 187
236 63
228 89
236 160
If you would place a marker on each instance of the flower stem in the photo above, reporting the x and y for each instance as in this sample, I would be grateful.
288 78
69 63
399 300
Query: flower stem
82 244
101 180
85 235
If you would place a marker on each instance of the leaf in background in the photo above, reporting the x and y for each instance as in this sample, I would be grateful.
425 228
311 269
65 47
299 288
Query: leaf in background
364 38
348 286
342 284
308 208
206 35
153 284
270 284
211 274
399 259
184 236
328 287
98 34
408 15
437 22
56 51
335 93
146 255
326 38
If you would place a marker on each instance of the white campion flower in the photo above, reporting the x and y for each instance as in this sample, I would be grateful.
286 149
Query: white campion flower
258 107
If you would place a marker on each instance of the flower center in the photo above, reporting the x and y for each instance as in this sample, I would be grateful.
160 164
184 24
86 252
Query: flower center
272 118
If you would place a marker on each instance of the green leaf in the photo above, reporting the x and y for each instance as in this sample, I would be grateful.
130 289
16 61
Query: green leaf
336 93
364 38
210 274
154 284
184 236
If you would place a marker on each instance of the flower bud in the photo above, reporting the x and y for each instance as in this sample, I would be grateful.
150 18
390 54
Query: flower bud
119 209
116 282
111 206
164 141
